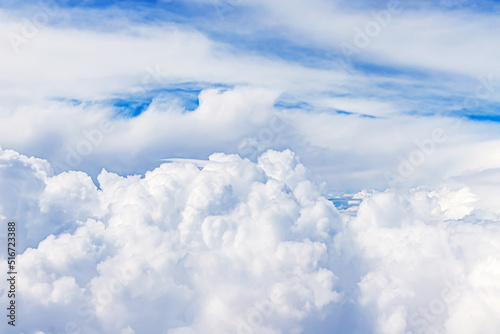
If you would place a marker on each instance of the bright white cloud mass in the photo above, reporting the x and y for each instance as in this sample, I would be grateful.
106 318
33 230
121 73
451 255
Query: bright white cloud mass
250 167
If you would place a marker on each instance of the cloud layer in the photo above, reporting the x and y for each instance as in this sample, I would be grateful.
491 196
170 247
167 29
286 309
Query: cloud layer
249 68
231 246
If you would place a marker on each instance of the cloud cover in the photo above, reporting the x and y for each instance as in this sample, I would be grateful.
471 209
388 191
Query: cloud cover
252 245
247 62
232 246
179 250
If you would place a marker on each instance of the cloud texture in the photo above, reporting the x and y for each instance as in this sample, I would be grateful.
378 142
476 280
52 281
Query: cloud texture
232 246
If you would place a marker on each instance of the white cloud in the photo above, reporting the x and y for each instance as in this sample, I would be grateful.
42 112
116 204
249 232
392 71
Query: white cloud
348 152
423 266
242 247
180 249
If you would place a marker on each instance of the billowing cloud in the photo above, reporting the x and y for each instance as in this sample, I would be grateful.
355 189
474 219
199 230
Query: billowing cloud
232 246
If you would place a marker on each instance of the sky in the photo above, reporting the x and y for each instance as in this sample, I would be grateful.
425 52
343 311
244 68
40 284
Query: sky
236 166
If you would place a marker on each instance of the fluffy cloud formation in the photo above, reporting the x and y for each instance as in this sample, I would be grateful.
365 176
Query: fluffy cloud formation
232 246
433 263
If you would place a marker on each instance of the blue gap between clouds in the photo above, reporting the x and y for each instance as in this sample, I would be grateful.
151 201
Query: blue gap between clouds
272 46
184 96
171 10
484 118
488 112
130 107
305 106
133 106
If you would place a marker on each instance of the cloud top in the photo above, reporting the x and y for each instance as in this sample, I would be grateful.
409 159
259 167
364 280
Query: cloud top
233 246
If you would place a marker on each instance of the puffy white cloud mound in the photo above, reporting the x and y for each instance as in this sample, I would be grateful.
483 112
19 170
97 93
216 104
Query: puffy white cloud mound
229 247
233 246
432 265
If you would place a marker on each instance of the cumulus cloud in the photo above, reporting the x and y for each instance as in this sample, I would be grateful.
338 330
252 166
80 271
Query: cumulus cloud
423 265
234 246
